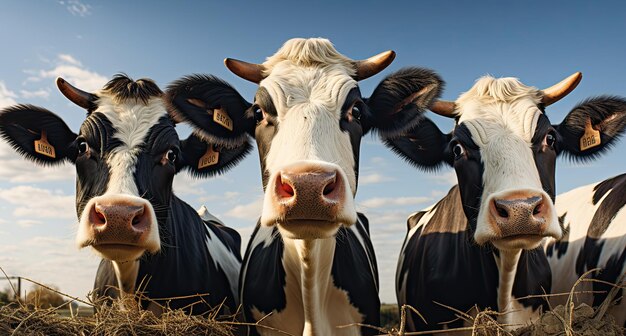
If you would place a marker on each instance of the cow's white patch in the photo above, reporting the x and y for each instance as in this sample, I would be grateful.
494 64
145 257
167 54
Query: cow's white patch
579 210
131 122
126 274
222 257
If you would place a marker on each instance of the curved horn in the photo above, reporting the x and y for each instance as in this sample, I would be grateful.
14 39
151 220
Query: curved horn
248 71
79 97
373 65
444 108
554 93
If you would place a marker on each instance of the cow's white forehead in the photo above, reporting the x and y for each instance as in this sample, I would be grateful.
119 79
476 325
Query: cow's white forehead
325 87
493 106
131 121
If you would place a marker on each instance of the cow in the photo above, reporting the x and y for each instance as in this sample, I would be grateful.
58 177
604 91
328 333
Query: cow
594 222
309 264
481 244
126 154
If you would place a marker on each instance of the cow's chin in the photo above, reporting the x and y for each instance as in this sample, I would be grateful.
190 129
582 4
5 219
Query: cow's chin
119 252
308 229
518 242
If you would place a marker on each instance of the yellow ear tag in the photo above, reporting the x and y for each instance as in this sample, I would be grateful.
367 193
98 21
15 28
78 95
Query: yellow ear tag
211 157
591 138
221 117
43 147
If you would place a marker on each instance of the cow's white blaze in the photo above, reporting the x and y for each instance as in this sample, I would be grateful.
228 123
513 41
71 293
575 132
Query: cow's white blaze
501 115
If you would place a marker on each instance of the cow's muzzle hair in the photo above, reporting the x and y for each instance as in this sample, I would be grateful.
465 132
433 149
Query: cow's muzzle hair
119 227
308 200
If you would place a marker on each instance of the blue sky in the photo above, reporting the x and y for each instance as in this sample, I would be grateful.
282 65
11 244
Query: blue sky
87 42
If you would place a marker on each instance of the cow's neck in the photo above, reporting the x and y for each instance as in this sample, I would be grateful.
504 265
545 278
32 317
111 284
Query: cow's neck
126 275
507 268
311 261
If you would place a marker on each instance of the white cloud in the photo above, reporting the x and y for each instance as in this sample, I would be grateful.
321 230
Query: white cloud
28 222
379 202
6 96
77 8
249 211
16 169
72 70
69 59
374 178
44 94
34 202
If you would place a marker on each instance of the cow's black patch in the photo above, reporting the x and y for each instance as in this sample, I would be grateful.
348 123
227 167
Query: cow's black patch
123 87
352 269
615 191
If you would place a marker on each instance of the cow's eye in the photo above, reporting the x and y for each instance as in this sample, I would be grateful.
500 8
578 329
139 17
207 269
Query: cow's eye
171 155
356 112
550 139
83 147
258 114
458 150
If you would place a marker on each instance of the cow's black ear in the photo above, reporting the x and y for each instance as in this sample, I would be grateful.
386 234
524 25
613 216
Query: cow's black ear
592 127
424 146
400 100
204 159
214 109
37 134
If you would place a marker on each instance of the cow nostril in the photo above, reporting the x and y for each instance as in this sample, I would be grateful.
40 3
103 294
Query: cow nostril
330 187
537 209
285 189
100 217
501 211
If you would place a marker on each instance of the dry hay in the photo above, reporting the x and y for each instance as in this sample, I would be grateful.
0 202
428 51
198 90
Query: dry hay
568 320
119 317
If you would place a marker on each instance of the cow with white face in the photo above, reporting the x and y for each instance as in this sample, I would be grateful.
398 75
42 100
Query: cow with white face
126 154
310 261
481 244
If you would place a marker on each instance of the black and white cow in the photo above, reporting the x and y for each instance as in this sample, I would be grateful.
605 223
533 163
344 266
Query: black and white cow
126 154
594 222
310 262
481 244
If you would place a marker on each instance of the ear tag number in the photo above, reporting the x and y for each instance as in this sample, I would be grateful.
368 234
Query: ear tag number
221 117
591 138
42 146
210 158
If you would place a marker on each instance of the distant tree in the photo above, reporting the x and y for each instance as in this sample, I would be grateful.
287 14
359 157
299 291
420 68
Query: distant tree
42 297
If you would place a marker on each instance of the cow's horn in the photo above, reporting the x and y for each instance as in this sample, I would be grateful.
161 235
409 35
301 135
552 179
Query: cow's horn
554 93
79 97
444 108
248 71
373 65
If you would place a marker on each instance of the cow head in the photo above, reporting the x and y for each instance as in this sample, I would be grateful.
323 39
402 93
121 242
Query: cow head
504 151
308 117
126 154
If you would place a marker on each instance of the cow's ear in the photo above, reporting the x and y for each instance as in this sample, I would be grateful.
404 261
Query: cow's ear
424 146
592 127
204 159
398 103
37 134
214 109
